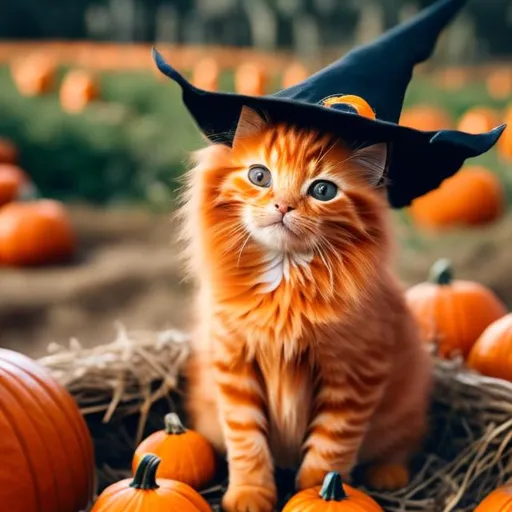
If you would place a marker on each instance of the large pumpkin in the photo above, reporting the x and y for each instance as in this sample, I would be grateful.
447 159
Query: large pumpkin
426 117
499 500
492 353
473 196
333 496
452 314
14 184
8 152
186 455
478 120
46 451
250 79
78 89
35 233
146 493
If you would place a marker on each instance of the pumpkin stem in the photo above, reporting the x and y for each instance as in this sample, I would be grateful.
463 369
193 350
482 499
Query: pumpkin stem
441 272
173 424
332 488
145 476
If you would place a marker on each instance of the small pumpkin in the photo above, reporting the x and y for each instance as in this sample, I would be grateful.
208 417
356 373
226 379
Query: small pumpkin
250 79
332 496
145 492
478 120
452 314
35 233
499 83
8 152
47 452
491 355
499 500
14 184
186 455
504 144
205 74
34 75
473 196
426 117
294 74
78 89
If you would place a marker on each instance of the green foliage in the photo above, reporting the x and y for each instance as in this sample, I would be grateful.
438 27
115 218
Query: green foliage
133 144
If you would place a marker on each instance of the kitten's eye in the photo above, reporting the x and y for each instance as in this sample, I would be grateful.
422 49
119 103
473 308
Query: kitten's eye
323 190
260 176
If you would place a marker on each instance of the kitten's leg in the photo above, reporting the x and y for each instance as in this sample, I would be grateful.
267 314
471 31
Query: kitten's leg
345 402
400 423
241 407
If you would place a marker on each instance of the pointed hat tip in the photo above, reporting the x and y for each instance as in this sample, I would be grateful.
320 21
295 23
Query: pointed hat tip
473 144
167 69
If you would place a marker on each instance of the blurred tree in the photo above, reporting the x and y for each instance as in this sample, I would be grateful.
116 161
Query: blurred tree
483 31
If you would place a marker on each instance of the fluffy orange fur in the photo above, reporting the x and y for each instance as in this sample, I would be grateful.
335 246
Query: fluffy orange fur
304 353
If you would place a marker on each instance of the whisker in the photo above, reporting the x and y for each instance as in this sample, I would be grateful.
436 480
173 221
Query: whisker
242 249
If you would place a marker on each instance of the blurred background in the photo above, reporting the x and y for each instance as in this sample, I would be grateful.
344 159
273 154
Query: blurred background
92 141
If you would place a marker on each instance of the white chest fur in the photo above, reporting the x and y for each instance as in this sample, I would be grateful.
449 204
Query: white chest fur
278 266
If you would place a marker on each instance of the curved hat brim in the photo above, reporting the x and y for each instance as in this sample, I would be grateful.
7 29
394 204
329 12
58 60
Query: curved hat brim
420 160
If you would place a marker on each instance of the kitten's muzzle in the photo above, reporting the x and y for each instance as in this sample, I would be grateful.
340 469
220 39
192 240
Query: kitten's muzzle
283 208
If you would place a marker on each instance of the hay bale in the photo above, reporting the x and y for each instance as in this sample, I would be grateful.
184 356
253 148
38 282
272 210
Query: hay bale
124 389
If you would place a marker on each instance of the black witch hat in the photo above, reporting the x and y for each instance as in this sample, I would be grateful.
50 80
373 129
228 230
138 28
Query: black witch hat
359 98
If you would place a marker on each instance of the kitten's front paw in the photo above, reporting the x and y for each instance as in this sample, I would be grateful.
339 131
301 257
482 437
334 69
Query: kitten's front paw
387 477
249 498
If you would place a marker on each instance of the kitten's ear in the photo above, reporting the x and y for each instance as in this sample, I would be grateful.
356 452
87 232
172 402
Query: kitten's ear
250 123
372 160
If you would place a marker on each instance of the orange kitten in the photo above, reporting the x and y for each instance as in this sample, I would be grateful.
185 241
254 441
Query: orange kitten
304 355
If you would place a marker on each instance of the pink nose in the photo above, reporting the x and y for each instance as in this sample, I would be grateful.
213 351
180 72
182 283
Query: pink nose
283 207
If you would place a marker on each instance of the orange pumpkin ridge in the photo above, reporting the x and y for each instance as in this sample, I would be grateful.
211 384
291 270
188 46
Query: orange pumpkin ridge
44 434
499 500
491 355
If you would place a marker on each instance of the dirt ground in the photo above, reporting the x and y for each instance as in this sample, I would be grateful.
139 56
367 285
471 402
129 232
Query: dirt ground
127 271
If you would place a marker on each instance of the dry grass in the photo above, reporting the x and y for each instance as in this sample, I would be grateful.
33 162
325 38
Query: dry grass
123 389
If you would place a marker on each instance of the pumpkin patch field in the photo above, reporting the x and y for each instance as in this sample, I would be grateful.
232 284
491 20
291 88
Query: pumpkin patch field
95 310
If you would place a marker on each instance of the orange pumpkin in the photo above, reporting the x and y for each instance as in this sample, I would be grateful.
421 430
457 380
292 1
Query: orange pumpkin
14 184
478 120
294 74
499 83
452 79
8 152
332 496
47 453
206 74
426 117
499 500
452 314
78 89
35 232
250 79
504 144
473 196
34 75
186 455
491 355
145 492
